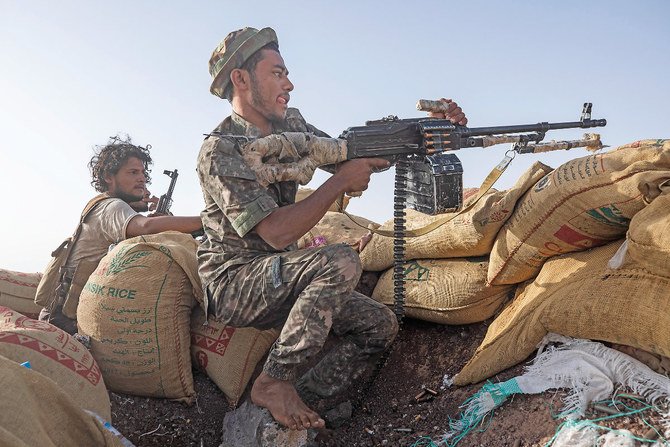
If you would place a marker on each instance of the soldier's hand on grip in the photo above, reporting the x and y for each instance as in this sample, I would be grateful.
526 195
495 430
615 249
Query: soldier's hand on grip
355 174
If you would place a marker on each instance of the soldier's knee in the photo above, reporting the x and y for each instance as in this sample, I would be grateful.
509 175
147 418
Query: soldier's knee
390 326
345 261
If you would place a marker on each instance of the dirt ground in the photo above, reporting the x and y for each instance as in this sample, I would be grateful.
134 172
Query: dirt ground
387 413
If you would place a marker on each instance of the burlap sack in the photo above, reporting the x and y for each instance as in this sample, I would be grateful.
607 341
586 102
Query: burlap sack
55 354
337 228
447 291
35 411
304 192
17 291
470 234
136 307
584 203
579 296
228 355
649 236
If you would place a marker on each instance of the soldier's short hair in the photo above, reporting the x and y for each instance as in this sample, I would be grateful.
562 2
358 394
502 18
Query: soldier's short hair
109 158
250 66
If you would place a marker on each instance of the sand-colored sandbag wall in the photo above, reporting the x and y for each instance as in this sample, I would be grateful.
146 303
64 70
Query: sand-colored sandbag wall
302 193
577 295
470 234
136 307
36 411
649 236
337 228
447 291
17 291
582 204
58 356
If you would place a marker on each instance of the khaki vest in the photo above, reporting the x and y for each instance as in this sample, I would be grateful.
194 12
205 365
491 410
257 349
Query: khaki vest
51 289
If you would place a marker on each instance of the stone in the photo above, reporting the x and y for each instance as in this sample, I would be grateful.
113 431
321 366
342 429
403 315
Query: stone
339 415
253 426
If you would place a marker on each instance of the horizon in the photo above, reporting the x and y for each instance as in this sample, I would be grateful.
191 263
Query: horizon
81 72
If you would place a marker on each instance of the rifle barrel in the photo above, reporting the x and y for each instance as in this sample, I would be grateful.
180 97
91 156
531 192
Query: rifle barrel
538 127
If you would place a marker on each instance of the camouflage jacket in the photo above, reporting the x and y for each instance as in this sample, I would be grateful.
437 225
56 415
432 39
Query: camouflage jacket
234 201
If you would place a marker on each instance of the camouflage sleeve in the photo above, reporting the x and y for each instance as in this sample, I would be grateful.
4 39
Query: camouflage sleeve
296 123
232 185
317 132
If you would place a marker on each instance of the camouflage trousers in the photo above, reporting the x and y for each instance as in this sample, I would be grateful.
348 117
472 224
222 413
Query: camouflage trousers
309 292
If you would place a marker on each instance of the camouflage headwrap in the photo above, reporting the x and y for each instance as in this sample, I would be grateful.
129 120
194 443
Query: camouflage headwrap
233 51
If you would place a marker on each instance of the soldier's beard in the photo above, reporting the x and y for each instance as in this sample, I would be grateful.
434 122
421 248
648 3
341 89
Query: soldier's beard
128 198
258 102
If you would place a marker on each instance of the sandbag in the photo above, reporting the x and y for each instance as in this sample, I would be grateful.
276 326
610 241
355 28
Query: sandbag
228 355
469 234
36 411
136 307
584 203
577 295
649 236
305 192
447 291
337 228
17 291
58 356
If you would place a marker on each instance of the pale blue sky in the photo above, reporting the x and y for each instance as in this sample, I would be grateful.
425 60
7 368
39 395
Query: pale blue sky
74 73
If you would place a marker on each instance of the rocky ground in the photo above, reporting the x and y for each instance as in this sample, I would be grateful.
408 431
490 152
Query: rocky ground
386 412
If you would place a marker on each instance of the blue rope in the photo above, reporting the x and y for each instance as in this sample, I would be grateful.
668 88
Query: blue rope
426 441
613 403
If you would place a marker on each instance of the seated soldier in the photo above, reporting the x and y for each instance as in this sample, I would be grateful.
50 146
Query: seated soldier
120 171
249 264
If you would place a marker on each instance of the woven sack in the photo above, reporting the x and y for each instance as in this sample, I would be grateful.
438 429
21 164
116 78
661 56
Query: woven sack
649 236
55 354
447 291
228 355
36 411
337 228
17 291
469 234
579 296
584 203
136 307
305 192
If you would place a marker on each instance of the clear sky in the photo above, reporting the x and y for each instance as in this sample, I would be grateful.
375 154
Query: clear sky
74 73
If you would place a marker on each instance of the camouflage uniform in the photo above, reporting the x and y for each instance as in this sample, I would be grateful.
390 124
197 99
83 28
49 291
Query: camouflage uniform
308 292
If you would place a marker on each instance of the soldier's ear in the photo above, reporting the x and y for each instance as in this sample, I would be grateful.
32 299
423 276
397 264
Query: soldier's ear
109 181
240 79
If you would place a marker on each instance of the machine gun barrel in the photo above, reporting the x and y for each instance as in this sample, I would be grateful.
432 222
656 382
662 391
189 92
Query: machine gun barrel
539 127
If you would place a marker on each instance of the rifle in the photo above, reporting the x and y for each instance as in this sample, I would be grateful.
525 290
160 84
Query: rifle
433 177
417 146
165 201
427 178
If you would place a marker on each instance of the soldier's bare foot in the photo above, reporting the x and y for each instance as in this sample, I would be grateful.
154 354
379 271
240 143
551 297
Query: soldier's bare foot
283 402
